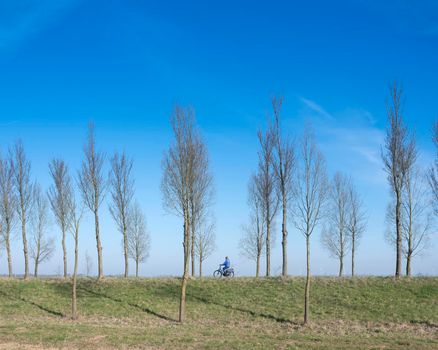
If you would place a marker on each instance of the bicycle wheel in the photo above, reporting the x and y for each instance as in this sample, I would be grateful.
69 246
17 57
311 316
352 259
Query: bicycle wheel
217 274
231 274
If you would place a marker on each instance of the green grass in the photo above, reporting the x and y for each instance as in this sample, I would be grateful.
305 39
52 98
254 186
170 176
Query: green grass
241 313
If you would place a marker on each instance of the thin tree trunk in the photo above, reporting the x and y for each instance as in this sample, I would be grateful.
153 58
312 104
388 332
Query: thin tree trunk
409 255
352 253
307 289
341 258
399 237
64 249
75 271
99 246
125 246
341 266
136 268
408 265
200 265
37 259
284 242
193 249
258 265
36 269
26 257
268 248
8 251
186 243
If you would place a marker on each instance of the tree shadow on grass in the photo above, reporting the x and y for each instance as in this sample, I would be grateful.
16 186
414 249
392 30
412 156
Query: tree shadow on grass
250 312
139 307
30 302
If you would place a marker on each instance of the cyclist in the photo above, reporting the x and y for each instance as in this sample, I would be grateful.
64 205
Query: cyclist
226 264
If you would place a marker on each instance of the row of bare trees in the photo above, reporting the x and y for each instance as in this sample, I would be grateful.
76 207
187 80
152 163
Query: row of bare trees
23 201
296 182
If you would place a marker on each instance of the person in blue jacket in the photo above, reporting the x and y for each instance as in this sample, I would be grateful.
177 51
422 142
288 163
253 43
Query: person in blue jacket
226 264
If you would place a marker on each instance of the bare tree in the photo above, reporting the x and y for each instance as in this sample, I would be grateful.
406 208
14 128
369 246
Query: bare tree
93 185
356 224
59 202
398 156
266 188
416 218
138 238
283 161
204 242
310 195
24 188
433 171
122 191
74 221
335 236
179 164
41 247
8 203
253 242
88 263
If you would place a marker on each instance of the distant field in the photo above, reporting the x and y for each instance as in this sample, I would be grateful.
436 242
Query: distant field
242 313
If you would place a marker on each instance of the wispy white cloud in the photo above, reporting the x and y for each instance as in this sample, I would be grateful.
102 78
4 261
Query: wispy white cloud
316 108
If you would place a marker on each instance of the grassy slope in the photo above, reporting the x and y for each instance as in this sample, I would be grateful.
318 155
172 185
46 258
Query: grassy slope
239 313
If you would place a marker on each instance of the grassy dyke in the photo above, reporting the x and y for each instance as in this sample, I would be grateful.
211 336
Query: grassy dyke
239 313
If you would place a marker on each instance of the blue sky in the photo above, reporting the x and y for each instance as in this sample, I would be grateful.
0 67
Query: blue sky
125 64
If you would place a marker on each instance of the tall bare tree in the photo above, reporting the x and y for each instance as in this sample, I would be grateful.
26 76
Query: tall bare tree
416 218
8 203
356 224
253 242
138 237
283 161
335 236
122 192
267 189
74 221
41 246
310 192
59 201
24 189
93 185
204 242
179 164
433 171
399 155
